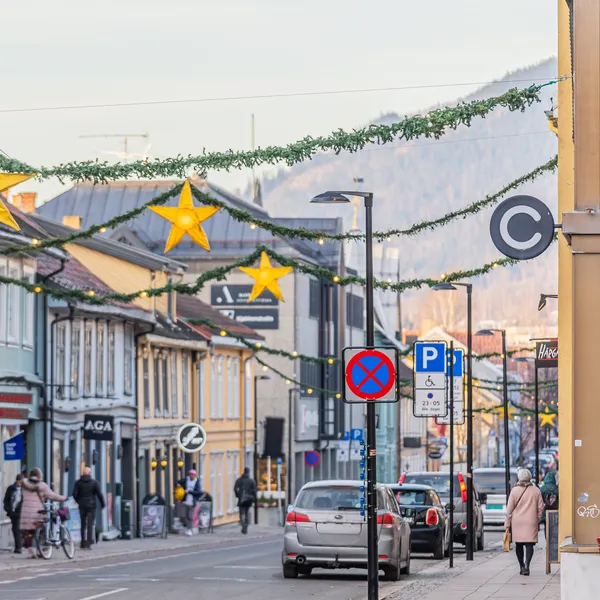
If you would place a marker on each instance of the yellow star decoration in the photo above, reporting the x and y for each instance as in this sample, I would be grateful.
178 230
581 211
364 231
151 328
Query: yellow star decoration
8 180
547 418
186 219
500 411
266 277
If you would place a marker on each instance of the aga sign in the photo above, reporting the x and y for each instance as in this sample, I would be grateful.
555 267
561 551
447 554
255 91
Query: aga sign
98 427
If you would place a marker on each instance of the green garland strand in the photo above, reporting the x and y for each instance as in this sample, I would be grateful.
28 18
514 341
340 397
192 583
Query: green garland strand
431 125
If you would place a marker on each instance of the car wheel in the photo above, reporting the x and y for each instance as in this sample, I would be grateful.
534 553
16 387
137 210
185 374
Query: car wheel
304 570
290 571
406 569
480 541
439 551
391 573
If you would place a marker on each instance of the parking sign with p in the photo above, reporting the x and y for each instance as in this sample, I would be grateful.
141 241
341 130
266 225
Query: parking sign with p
430 379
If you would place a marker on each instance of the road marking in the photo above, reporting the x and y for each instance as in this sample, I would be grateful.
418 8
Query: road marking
127 579
245 567
110 593
233 579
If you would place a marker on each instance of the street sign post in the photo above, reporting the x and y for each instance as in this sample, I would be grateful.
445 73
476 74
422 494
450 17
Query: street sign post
191 438
429 379
459 390
370 375
312 458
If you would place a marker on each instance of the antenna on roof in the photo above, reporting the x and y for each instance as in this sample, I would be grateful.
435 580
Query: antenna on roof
256 191
125 155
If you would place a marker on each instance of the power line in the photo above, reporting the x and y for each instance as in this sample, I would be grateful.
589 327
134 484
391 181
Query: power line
264 96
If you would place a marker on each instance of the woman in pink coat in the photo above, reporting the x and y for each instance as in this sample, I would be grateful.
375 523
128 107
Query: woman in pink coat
35 492
524 511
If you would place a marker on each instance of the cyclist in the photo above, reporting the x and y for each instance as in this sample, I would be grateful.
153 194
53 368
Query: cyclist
35 493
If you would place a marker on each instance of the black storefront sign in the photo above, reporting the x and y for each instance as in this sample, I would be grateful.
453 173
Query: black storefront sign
255 318
546 354
98 427
237 295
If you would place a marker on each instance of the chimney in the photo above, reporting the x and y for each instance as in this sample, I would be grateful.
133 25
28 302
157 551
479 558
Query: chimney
72 221
25 201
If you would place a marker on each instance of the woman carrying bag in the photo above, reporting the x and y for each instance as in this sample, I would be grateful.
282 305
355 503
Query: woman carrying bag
524 511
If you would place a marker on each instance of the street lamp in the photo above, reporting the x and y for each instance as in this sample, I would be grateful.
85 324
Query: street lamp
543 298
447 286
290 456
255 465
491 332
526 359
341 197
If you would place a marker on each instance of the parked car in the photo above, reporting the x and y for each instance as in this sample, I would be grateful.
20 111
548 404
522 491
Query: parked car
491 487
440 482
327 529
422 508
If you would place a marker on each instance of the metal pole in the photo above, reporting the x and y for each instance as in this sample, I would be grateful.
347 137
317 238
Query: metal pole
505 403
470 508
451 409
255 466
372 556
290 458
537 428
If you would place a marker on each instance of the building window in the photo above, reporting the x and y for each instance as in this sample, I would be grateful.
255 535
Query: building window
110 371
165 382
61 357
185 384
314 302
28 274
213 458
213 388
75 357
230 401
220 398
13 305
354 311
249 462
248 390
129 343
146 376
236 388
201 388
220 481
100 332
157 412
174 403
3 295
87 359
230 482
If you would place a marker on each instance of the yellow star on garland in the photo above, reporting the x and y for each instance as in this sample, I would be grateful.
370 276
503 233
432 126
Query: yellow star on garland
500 411
266 278
8 180
186 218
547 418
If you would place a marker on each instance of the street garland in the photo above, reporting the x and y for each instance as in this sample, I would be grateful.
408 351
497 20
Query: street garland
432 125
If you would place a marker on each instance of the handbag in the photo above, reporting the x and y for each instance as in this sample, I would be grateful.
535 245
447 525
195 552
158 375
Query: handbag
506 541
64 513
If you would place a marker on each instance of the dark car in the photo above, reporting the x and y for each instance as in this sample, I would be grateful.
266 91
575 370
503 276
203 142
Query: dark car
440 482
422 508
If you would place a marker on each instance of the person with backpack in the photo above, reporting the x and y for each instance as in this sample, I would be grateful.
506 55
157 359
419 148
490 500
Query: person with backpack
85 493
13 500
549 490
245 492
190 495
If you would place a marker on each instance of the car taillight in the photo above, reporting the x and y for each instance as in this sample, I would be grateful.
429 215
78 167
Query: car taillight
402 478
463 487
387 520
296 517
432 517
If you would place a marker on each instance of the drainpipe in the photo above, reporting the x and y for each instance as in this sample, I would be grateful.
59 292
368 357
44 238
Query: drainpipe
245 414
52 394
138 512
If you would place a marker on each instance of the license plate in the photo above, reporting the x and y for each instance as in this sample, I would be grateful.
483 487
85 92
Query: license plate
409 520
494 506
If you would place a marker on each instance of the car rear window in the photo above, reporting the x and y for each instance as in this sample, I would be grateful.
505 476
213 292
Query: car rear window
440 482
489 481
330 498
414 498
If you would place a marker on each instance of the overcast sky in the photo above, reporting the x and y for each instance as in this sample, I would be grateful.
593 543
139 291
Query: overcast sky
67 52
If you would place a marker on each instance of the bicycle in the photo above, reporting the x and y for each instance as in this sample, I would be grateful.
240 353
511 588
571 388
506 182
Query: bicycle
51 533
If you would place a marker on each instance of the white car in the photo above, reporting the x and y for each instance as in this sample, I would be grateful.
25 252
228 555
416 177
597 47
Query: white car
491 487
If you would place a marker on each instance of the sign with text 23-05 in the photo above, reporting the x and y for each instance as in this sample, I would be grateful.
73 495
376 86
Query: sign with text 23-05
429 379
459 390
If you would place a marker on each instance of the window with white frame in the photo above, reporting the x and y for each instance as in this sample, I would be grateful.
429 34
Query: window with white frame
185 384
3 301
29 303
87 358
100 340
213 459
230 481
110 368
174 402
221 483
236 388
220 398
213 388
249 462
61 360
13 305
156 365
247 390
236 474
201 388
146 377
75 358
164 377
129 347
230 408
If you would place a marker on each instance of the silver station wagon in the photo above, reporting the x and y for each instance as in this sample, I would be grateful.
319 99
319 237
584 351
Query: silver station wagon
325 529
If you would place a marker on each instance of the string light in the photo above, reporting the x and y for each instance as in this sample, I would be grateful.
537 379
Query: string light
265 368
252 225
91 293
258 345
321 241
143 294
102 230
37 289
443 276
336 279
338 396
222 333
35 241
309 391
294 354
287 382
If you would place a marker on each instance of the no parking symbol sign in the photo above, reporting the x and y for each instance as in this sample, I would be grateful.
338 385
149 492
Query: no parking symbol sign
370 375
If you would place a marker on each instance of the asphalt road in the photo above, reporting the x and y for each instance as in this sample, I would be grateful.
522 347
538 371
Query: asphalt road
248 569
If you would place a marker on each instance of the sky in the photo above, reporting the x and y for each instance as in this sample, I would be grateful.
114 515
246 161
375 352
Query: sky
65 53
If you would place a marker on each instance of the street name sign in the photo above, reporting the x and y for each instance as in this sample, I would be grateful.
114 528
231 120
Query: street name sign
370 375
429 379
459 390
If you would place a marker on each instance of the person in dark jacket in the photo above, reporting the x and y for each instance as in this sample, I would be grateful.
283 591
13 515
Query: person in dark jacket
13 500
245 492
192 493
85 493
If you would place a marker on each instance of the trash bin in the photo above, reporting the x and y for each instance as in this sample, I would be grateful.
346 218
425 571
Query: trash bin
126 517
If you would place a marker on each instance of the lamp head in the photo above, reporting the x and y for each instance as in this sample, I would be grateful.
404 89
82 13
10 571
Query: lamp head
542 303
485 332
443 287
330 198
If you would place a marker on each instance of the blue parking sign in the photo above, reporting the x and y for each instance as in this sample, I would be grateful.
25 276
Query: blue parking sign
430 357
459 355
357 435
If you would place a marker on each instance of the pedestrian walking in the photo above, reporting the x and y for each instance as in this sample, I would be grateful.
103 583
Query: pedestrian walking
35 492
192 493
13 500
524 511
245 492
85 493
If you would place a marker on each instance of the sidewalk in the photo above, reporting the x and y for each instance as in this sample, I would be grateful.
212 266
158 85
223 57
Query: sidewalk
108 549
491 576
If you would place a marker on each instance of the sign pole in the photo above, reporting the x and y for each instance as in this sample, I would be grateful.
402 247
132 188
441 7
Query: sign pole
372 555
470 494
537 426
451 409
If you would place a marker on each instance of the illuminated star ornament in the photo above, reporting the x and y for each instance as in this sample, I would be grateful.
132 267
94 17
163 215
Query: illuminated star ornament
511 411
547 418
266 278
186 218
8 180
